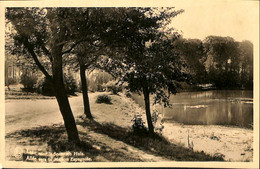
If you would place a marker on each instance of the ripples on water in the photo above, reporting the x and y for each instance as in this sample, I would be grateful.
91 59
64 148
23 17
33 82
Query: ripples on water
217 107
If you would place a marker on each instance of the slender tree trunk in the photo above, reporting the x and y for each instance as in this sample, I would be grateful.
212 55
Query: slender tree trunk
147 109
85 92
62 97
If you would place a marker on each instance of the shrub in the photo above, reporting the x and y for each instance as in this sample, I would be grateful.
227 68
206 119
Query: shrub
70 84
112 87
29 82
45 87
104 98
138 124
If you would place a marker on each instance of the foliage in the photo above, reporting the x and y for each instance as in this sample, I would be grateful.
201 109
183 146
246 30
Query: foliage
138 124
147 61
221 61
97 80
70 84
104 98
47 36
29 82
157 121
45 87
192 51
225 61
246 57
111 86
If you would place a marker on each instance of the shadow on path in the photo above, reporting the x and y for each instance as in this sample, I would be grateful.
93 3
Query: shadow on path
56 139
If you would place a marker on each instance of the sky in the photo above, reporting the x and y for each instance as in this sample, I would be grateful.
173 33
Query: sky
237 18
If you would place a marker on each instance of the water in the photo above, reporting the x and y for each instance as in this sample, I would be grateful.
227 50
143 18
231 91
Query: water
217 107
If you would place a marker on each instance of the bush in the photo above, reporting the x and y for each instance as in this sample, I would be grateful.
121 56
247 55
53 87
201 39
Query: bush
28 82
70 84
104 98
45 87
138 124
112 87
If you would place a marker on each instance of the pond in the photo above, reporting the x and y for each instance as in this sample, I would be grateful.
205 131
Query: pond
216 107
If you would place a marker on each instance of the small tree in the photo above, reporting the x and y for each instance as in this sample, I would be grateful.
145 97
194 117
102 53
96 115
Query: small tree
147 61
86 54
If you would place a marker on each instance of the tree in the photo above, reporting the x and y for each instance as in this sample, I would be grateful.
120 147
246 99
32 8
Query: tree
86 56
146 60
99 22
46 35
222 58
192 51
246 57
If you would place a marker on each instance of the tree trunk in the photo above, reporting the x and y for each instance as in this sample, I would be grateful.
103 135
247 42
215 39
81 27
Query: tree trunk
147 109
85 92
62 97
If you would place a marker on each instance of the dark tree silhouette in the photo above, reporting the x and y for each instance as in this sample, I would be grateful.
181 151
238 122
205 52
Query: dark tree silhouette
144 55
46 35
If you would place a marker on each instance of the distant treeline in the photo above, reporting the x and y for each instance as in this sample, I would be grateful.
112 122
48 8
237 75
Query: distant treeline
220 61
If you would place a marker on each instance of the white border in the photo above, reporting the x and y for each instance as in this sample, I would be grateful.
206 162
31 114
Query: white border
130 3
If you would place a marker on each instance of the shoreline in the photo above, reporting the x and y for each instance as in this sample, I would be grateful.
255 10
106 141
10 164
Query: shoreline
207 135
233 144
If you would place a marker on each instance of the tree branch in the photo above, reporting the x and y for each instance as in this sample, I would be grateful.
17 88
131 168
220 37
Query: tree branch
35 58
72 47
46 52
91 62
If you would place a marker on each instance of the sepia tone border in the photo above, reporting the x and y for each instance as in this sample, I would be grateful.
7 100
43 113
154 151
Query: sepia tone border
127 3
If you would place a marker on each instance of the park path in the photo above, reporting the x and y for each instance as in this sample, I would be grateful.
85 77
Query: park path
25 114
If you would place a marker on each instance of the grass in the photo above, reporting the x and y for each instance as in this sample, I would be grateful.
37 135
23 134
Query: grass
154 144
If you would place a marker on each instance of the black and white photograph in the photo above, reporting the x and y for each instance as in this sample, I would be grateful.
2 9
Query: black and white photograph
162 85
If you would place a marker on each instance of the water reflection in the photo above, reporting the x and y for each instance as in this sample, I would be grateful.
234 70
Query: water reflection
210 107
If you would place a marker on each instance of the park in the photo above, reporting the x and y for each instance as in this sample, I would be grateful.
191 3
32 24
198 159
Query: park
121 85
